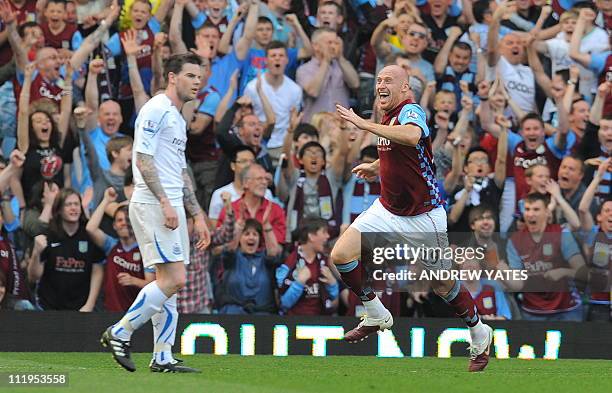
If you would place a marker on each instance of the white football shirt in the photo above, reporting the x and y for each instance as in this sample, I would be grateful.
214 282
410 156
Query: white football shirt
160 131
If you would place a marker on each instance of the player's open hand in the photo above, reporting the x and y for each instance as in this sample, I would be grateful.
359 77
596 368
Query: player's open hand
201 230
350 116
368 172
170 216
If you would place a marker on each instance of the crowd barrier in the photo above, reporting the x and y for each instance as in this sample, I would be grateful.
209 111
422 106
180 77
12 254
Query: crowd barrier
316 336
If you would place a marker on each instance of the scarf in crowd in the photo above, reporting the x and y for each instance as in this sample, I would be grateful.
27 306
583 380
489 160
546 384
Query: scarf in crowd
326 202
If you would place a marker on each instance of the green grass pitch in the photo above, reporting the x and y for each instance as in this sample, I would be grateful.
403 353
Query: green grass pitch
97 372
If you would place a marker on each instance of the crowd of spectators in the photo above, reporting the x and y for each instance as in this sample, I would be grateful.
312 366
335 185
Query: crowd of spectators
518 96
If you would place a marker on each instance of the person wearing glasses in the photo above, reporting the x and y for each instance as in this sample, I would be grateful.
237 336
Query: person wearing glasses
253 204
242 157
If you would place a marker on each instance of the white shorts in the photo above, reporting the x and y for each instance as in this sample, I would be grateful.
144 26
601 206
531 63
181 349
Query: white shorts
157 243
424 230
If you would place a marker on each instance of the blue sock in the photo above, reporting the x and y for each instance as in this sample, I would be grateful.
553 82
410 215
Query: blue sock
148 302
164 331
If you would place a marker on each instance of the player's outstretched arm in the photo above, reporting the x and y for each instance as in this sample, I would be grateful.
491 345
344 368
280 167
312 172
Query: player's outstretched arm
407 134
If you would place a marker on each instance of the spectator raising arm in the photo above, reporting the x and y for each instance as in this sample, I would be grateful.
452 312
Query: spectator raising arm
175 35
381 47
568 212
493 33
157 63
574 76
584 208
93 40
536 66
16 162
585 18
502 151
563 127
131 49
96 234
604 90
8 16
349 74
442 58
65 106
267 108
314 86
306 48
23 117
222 110
243 45
92 102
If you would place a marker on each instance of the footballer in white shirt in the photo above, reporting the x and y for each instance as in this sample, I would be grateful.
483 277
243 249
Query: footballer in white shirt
163 192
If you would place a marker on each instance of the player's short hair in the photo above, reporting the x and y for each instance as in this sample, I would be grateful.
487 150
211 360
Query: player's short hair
478 211
264 19
320 31
276 45
474 150
532 116
529 171
368 151
462 45
310 226
309 145
175 62
117 143
241 148
305 129
607 117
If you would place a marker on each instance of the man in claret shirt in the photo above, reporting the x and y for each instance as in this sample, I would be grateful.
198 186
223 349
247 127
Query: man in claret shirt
409 205
552 260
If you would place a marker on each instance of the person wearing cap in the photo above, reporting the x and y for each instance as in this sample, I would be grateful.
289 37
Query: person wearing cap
328 77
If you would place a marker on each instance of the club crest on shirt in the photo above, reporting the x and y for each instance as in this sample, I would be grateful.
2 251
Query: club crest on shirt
487 302
547 249
136 256
83 246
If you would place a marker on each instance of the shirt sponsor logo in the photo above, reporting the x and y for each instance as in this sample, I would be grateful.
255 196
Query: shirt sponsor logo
150 126
53 245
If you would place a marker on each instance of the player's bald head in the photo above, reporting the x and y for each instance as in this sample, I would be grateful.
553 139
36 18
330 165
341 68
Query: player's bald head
395 71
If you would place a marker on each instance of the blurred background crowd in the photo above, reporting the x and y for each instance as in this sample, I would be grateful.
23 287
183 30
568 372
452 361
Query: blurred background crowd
518 96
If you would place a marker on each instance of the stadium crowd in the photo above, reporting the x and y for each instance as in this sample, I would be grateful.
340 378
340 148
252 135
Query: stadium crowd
519 101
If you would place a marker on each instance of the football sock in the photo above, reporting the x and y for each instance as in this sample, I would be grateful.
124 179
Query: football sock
148 302
164 331
460 300
353 275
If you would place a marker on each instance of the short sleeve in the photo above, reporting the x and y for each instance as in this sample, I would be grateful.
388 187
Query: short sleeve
199 20
513 140
514 261
210 104
148 129
414 114
569 246
114 45
77 40
598 62
569 143
154 25
109 243
216 204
